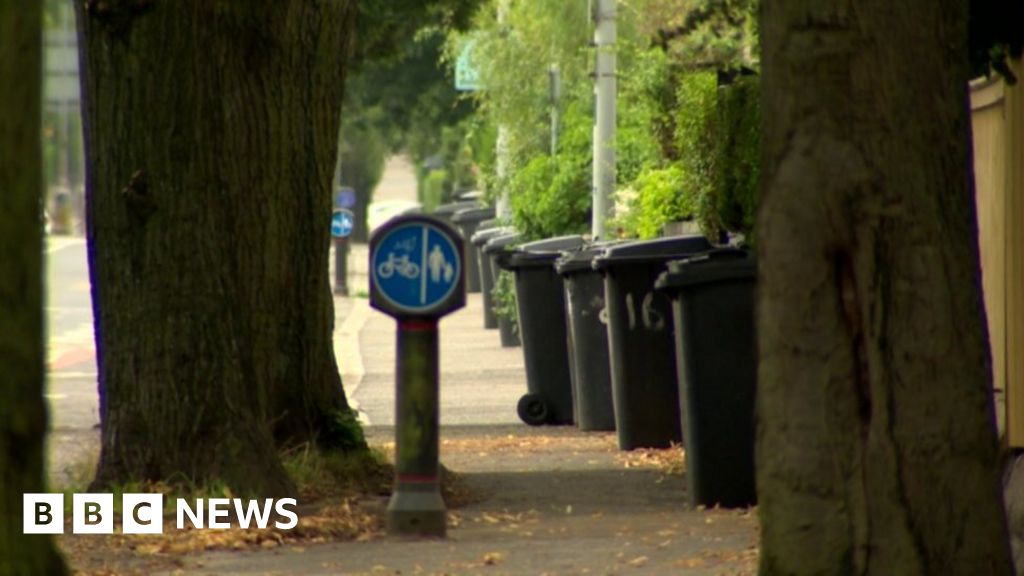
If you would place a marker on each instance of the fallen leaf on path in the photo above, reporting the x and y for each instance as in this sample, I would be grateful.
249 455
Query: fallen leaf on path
147 549
492 558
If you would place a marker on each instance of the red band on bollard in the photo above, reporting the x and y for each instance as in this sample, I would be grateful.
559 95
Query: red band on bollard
417 325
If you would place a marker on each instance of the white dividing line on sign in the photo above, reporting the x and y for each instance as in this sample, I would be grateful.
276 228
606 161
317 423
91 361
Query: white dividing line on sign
423 265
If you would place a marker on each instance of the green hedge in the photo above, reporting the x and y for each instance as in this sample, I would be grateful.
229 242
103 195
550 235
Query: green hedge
738 142
715 179
696 101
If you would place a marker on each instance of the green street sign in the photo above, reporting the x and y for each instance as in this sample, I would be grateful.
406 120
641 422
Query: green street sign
467 77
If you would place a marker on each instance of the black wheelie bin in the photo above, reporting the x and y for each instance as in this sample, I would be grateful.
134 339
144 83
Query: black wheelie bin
713 310
479 240
640 340
445 212
540 299
507 330
588 337
467 221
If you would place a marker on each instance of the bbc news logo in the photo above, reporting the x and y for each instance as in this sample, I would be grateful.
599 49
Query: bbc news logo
144 513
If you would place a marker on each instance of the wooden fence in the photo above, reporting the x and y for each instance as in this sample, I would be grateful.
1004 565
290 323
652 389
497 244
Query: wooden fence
997 119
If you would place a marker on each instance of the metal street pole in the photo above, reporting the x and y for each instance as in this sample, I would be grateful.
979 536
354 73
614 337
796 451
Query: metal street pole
605 87
502 208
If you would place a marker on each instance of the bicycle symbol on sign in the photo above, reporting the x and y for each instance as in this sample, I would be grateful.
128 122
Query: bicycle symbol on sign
400 264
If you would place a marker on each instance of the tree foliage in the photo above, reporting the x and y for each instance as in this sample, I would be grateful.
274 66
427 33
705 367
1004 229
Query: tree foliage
661 44
384 26
995 34
399 101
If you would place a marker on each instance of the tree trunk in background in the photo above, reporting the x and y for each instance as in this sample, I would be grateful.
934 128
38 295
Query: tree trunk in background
22 351
211 130
876 450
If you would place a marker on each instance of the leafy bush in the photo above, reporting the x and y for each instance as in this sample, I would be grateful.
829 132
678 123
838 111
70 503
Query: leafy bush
551 195
503 298
433 189
660 196
343 432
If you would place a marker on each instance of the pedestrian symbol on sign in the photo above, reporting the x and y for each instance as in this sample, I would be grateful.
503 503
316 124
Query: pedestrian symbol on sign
439 267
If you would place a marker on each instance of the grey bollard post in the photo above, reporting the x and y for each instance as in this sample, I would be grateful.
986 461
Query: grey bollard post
417 506
341 266
417 276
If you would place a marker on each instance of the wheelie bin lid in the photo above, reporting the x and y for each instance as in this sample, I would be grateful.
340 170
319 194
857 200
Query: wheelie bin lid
468 215
543 252
719 265
574 261
501 242
453 207
657 250
470 195
483 236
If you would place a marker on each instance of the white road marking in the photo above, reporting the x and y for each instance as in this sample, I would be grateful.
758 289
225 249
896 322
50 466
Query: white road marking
72 375
348 354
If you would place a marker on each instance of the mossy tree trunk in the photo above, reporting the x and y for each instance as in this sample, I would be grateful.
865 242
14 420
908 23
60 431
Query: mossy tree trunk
211 132
876 450
22 351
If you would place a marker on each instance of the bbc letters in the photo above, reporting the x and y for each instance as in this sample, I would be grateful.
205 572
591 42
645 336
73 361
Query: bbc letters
144 513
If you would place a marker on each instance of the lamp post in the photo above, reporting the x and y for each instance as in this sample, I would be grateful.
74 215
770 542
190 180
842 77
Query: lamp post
605 87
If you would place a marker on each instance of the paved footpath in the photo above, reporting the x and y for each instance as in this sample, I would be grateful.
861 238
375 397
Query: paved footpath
548 500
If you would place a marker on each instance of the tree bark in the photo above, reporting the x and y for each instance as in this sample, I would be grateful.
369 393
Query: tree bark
211 132
876 447
23 416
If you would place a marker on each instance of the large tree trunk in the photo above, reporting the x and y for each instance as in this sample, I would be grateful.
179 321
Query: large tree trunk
211 129
876 450
22 352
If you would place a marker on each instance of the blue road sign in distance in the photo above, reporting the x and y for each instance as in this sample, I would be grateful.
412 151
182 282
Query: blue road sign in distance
342 223
345 197
416 266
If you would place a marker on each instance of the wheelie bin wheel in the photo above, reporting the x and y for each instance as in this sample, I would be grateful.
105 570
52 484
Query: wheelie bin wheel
533 410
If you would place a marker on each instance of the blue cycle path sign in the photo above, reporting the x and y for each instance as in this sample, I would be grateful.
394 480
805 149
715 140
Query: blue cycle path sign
416 268
345 197
342 223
